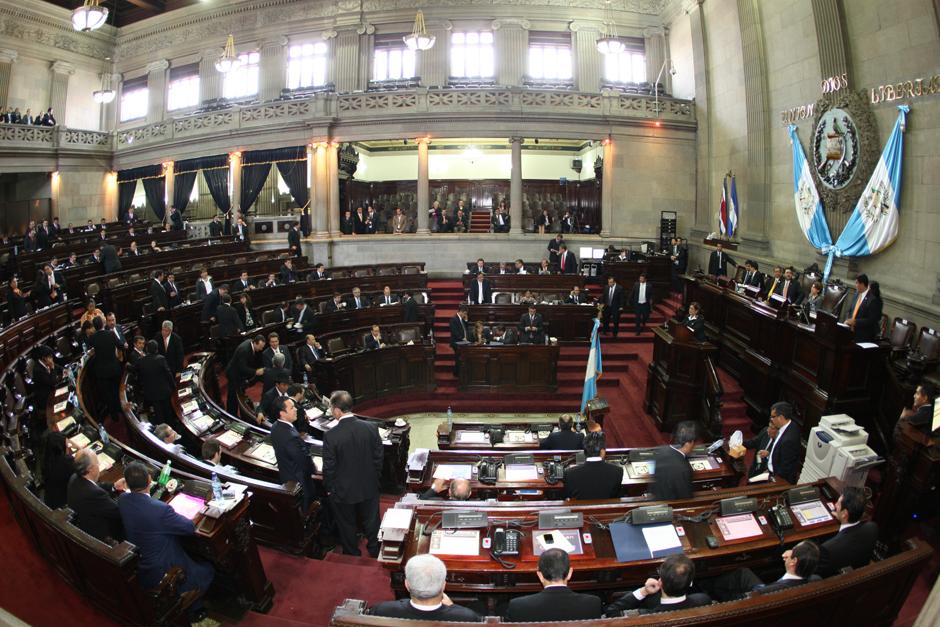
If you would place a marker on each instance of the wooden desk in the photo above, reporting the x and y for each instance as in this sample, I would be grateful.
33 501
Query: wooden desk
519 436
556 283
22 336
724 475
481 579
657 268
522 369
568 323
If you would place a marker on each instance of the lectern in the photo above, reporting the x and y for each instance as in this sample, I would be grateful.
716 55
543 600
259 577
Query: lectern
681 382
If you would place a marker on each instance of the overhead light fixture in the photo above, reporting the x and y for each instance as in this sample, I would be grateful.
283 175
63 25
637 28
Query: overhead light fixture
610 43
105 94
229 60
89 16
419 39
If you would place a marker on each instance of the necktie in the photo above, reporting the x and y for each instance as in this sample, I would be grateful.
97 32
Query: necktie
610 299
773 288
357 303
747 278
388 300
642 293
786 286
858 304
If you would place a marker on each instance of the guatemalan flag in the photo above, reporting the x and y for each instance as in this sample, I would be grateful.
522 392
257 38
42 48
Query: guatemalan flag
594 366
809 209
873 226
733 209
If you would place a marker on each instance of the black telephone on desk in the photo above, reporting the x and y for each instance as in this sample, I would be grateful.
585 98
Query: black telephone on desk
506 542
780 518
487 473
554 471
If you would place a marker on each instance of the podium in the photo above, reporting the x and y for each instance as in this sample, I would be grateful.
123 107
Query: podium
681 382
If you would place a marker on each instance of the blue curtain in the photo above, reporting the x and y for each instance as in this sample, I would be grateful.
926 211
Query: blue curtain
155 189
127 185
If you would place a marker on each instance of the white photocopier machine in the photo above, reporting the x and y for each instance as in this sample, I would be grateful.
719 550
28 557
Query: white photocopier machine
837 447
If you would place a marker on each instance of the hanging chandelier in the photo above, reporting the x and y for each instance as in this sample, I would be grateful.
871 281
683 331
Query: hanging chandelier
610 43
105 94
229 60
419 39
89 16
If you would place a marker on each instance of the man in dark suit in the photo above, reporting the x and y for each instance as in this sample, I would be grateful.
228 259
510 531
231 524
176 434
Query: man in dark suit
243 284
241 232
425 578
760 444
576 297
696 322
481 292
800 564
211 303
265 410
154 528
215 227
530 327
567 262
287 274
109 259
668 592
227 318
479 268
447 490
293 241
752 277
556 601
357 300
347 225
772 282
157 384
387 297
241 368
595 478
336 304
458 328
501 221
106 367
409 308
374 340
171 347
679 255
642 300
565 439
275 348
204 285
612 298
303 315
866 313
786 450
359 218
309 354
855 542
920 413
45 290
111 324
175 220
719 260
673 474
95 512
788 290
292 453
45 379
352 467
319 273
158 294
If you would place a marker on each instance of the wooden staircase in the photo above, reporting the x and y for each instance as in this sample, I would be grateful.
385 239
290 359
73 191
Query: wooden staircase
480 221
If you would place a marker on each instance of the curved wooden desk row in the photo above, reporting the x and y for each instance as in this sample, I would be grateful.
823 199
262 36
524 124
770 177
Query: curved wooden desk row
247 452
76 278
872 595
562 283
187 319
512 436
709 472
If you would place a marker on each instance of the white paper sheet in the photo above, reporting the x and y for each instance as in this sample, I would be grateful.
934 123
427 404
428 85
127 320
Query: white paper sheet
811 513
397 518
62 390
738 527
522 472
661 538
473 437
455 542
453 471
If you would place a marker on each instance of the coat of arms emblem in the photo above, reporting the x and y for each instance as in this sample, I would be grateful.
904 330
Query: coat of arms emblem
835 148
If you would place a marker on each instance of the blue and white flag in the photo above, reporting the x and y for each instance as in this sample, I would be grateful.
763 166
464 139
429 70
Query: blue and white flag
873 226
733 209
594 368
809 209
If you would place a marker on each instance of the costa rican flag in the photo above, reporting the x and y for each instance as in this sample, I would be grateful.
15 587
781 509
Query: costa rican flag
595 367
723 210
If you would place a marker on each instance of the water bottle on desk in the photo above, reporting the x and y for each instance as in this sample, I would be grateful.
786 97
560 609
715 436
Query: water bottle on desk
450 419
164 474
103 434
216 488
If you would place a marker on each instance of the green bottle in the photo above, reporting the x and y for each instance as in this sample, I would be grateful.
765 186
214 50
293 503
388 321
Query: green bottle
164 474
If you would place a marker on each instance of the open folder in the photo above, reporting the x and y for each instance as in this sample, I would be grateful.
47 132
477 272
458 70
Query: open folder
643 542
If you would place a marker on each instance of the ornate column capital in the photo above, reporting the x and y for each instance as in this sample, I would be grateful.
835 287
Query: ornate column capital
7 55
517 140
511 22
61 67
366 29
577 25
160 65
655 31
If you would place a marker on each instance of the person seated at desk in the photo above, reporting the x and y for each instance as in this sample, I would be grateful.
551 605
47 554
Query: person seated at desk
154 528
167 435
357 300
760 444
595 478
387 297
57 468
786 451
480 335
243 283
288 275
565 439
556 601
310 353
920 414
275 372
275 348
520 267
526 298
530 327
447 490
270 281
303 315
96 513
799 564
506 336
814 299
854 544
672 478
789 288
212 453
752 278
425 578
245 312
668 592
543 267
576 297
318 274
479 268
622 256
504 269
718 261
696 322
480 292
374 341
772 283
866 314
265 407
336 304
91 311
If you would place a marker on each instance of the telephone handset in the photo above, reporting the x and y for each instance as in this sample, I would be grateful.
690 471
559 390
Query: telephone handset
506 542
780 518
554 472
487 472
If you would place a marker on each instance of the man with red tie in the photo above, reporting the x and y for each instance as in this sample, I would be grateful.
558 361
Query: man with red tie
567 261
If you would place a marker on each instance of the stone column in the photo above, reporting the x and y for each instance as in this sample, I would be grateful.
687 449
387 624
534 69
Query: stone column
424 191
654 39
210 80
830 38
156 84
366 44
512 42
607 187
346 61
272 68
7 58
169 172
235 194
107 115
332 176
311 184
58 95
110 195
588 67
320 189
515 187
433 64
703 195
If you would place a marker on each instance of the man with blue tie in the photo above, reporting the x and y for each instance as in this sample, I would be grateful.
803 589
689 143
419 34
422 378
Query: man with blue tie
357 300
154 528
309 354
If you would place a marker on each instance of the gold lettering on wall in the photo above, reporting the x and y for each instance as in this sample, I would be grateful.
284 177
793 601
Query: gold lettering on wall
916 88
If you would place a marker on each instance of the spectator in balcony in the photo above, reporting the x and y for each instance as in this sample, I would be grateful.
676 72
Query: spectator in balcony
241 231
27 117
347 225
216 226
399 222
175 220
5 115
567 222
15 117
359 221
544 222
461 223
48 119
444 224
293 240
372 221
434 215
501 219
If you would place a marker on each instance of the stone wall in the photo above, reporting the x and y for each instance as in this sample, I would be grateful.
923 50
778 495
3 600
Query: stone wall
80 195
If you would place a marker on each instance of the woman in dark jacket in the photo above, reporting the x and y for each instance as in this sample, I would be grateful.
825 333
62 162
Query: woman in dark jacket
57 468
16 300
245 311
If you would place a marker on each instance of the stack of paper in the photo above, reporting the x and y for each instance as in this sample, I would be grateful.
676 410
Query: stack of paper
201 423
264 452
189 407
229 438
313 413
455 542
60 406
472 437
522 472
62 391
65 423
104 462
453 471
739 527
395 524
79 441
